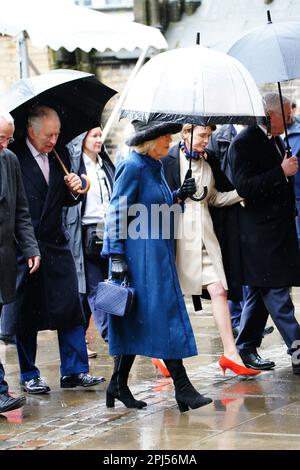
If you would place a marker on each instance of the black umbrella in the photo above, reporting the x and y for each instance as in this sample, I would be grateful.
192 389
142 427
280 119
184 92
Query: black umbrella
78 98
271 53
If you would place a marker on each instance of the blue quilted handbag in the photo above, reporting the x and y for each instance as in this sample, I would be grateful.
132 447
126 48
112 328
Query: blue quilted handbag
115 297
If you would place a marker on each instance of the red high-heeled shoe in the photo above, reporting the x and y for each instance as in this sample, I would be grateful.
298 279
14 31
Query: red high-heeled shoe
158 363
226 363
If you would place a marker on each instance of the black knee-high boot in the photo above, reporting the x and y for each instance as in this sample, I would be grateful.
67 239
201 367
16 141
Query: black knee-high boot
118 387
186 395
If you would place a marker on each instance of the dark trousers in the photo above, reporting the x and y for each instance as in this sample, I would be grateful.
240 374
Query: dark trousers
95 272
3 384
236 309
298 219
259 303
7 323
72 348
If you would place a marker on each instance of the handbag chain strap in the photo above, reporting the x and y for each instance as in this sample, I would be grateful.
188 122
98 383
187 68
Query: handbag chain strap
124 283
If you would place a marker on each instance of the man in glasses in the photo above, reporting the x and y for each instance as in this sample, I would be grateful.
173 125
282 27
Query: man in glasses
15 224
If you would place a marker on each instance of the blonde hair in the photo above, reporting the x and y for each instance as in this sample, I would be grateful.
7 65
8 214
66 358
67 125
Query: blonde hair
145 147
188 127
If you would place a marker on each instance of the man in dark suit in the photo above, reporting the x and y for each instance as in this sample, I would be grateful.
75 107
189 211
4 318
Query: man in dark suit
262 174
15 225
49 299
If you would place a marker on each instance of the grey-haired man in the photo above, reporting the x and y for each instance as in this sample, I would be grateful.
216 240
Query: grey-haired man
15 226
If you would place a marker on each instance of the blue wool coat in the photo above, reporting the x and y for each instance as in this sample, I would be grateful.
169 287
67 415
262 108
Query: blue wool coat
158 325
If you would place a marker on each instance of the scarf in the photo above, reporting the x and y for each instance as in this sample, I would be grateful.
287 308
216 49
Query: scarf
194 155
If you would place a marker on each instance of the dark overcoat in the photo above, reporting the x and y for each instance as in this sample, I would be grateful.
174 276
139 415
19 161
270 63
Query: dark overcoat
270 253
15 225
47 299
225 220
158 325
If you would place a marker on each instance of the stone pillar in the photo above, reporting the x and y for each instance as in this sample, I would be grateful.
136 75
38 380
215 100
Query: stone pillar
191 6
164 14
140 11
154 14
175 10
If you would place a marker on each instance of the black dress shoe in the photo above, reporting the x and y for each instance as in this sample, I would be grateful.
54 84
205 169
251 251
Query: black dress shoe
268 330
80 380
235 331
254 361
296 369
8 403
36 386
8 339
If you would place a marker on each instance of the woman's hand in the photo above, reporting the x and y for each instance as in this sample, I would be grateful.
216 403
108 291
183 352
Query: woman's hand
119 267
187 189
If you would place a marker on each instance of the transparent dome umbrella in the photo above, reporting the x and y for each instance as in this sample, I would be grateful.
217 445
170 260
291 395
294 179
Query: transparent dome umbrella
194 85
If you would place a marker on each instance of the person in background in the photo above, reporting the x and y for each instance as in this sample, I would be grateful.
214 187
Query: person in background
158 324
15 225
294 113
294 141
85 222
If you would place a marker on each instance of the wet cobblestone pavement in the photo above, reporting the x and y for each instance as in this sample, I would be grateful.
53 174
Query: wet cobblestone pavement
259 413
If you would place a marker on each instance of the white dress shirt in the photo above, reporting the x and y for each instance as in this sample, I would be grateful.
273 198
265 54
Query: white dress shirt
41 159
98 196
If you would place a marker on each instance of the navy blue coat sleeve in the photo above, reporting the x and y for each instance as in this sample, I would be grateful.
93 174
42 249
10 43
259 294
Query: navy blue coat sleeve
248 182
125 193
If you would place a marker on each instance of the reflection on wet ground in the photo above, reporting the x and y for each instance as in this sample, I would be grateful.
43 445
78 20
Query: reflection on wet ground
256 413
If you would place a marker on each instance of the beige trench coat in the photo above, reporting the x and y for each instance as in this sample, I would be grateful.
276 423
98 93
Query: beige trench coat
195 230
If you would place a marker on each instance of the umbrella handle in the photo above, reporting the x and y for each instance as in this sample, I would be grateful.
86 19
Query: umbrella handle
87 186
66 172
202 196
188 175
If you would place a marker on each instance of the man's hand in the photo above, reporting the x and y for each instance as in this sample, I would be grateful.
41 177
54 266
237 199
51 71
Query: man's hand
290 165
33 263
73 182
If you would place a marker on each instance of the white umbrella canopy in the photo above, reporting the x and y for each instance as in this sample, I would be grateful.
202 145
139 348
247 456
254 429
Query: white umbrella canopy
196 85
271 54
57 24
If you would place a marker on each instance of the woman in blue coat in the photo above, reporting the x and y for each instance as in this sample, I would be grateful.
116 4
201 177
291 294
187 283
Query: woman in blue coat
139 243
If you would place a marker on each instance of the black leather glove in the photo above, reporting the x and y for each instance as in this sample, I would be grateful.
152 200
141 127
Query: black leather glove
187 189
118 267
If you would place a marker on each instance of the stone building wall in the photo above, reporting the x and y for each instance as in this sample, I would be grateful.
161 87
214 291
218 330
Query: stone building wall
9 63
115 76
